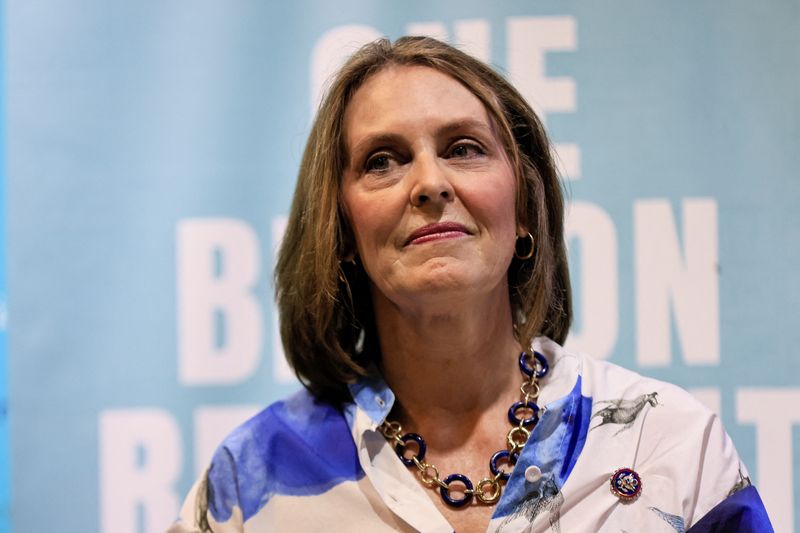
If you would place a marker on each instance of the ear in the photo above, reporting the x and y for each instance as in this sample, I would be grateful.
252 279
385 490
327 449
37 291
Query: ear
522 231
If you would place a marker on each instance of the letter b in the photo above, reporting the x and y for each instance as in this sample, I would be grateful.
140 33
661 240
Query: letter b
219 318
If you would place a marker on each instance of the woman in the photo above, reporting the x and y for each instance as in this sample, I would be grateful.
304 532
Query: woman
424 292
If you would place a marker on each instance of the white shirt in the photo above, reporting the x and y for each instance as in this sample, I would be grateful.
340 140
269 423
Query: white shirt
301 466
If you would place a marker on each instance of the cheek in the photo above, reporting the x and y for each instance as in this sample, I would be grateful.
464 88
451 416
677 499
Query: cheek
496 206
496 196
369 220
507 212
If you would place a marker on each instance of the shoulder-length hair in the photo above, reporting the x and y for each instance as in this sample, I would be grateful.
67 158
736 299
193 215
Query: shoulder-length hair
327 327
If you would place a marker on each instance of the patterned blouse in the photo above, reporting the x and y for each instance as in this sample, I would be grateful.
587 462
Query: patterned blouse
301 465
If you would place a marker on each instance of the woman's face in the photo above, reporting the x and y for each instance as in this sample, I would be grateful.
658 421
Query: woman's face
428 188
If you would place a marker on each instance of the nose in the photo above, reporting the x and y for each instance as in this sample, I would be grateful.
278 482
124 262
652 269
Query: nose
430 183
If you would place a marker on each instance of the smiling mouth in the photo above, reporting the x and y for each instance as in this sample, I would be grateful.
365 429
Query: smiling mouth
437 231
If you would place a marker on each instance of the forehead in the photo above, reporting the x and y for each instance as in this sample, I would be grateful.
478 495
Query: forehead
400 97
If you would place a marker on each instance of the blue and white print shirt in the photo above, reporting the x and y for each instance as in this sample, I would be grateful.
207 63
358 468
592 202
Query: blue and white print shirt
301 465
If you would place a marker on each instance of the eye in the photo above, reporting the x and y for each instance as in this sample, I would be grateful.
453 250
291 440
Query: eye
378 163
465 150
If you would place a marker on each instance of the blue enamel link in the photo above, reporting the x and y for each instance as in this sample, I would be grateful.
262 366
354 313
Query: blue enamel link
502 454
527 422
400 449
526 369
445 492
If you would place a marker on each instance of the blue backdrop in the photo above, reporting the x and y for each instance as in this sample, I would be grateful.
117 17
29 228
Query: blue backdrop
152 148
5 472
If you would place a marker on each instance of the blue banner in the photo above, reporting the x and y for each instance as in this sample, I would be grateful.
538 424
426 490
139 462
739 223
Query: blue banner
5 475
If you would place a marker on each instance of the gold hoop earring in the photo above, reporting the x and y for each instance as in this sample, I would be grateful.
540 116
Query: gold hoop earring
523 257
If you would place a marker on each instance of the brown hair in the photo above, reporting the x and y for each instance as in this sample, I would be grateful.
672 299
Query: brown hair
325 306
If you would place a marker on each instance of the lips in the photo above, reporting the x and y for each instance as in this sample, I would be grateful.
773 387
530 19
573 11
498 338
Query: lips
438 230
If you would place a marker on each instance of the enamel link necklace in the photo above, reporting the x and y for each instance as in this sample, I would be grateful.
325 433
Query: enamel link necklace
488 489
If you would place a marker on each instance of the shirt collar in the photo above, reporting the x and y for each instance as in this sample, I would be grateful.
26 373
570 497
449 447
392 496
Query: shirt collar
373 396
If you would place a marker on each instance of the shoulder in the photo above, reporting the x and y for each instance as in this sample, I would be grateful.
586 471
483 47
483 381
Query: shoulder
665 418
606 382
297 446
299 419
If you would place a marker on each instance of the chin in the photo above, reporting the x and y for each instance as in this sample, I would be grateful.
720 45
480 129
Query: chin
444 273
449 284
440 281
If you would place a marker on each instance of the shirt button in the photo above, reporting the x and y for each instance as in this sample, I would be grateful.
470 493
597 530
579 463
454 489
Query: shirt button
379 401
533 473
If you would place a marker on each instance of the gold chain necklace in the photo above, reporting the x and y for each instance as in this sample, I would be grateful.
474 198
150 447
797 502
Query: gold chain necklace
488 489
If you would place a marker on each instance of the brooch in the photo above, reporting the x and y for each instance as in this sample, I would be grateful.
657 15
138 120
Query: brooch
626 484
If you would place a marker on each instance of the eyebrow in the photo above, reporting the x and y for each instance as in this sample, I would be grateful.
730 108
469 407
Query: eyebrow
464 124
379 139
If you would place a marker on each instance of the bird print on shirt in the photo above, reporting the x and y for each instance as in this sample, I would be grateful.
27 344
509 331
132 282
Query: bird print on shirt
674 520
546 497
743 482
623 411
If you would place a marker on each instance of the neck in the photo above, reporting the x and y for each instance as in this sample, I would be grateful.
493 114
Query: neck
449 367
